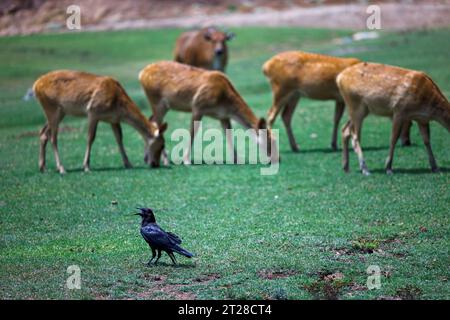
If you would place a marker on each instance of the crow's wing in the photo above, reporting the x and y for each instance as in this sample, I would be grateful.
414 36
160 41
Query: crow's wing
157 237
174 237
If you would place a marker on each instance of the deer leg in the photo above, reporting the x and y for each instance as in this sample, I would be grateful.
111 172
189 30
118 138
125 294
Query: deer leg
286 116
280 98
117 129
44 136
54 124
338 112
405 133
272 115
346 134
165 157
196 117
92 130
356 139
159 109
425 132
226 125
396 129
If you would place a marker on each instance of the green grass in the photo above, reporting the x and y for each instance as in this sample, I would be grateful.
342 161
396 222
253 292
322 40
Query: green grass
309 232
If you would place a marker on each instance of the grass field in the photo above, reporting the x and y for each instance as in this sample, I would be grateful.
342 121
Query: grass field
310 231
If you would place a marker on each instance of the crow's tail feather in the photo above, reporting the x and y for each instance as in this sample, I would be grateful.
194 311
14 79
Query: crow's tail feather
182 251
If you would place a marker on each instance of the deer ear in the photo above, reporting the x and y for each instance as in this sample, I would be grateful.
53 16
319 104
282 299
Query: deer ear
262 123
163 128
230 35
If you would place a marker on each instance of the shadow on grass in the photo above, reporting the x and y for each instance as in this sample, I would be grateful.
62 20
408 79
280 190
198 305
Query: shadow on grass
411 171
171 265
114 169
329 150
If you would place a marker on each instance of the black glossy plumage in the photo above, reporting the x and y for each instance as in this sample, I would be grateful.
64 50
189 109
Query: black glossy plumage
158 239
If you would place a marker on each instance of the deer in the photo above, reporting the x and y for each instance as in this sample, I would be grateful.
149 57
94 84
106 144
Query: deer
205 48
98 98
296 74
170 85
403 95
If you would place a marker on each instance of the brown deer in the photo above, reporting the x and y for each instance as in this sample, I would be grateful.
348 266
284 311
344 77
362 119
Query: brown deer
295 74
98 98
172 85
394 92
205 48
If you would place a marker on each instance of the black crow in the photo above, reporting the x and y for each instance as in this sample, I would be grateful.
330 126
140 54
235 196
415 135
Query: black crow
158 239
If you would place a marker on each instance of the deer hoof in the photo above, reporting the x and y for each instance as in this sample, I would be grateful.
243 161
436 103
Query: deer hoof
295 148
334 146
128 165
406 143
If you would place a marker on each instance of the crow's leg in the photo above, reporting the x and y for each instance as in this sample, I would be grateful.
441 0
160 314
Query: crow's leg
172 257
153 256
159 256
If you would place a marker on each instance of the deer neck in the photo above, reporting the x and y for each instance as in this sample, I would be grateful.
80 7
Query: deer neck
444 117
244 115
134 117
440 111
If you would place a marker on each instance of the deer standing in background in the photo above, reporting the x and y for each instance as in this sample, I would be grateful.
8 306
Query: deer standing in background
394 92
98 98
172 85
296 74
205 48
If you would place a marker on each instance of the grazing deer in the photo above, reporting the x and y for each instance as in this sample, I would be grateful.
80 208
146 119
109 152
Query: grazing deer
296 74
394 92
205 48
98 98
172 85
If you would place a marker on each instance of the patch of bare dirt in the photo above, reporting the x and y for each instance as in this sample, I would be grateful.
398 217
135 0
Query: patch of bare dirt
409 292
332 276
365 246
276 274
332 285
207 278
329 286
174 291
34 16
389 298
154 278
